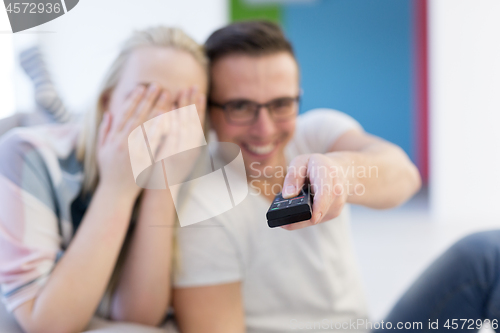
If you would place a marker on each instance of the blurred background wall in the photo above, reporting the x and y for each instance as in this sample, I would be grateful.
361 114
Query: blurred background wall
464 90
80 45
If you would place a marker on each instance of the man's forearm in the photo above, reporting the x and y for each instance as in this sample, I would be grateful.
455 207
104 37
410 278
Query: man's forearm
378 176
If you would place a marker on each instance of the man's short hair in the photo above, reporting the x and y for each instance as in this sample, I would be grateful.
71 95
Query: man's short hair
253 38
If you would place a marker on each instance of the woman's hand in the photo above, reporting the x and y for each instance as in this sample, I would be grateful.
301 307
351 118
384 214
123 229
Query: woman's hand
115 170
192 96
173 135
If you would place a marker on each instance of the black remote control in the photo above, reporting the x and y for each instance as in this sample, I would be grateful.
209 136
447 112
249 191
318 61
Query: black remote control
288 211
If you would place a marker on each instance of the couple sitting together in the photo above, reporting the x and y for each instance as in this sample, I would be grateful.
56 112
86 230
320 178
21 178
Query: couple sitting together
79 240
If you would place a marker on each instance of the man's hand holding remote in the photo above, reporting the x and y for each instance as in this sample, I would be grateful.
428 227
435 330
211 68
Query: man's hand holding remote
326 182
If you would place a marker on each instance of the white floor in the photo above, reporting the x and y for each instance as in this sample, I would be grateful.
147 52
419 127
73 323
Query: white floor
394 247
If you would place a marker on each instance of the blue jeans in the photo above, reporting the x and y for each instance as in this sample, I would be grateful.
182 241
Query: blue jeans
464 283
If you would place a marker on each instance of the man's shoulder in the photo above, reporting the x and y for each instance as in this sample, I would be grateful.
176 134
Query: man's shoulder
320 116
320 112
318 129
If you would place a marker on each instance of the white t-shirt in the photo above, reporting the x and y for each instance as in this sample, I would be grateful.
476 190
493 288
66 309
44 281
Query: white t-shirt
290 279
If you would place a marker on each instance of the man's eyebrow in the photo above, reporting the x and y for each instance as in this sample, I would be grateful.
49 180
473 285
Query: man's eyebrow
239 100
248 100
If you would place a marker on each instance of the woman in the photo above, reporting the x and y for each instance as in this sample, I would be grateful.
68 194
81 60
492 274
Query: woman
68 198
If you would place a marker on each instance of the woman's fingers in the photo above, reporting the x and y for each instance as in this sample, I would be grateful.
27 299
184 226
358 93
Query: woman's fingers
201 103
131 104
176 127
187 97
164 104
156 126
104 128
147 105
193 94
156 102
182 99
199 100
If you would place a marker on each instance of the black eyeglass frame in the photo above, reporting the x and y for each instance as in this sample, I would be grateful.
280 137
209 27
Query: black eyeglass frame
257 111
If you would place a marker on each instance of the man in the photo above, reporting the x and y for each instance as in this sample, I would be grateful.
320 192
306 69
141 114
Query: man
238 275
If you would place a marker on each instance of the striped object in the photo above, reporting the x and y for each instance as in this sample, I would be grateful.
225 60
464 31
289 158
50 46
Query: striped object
46 96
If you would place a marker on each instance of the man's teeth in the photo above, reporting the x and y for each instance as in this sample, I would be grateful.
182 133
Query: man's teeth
261 150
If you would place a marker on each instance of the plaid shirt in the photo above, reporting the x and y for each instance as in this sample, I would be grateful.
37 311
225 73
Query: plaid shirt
40 178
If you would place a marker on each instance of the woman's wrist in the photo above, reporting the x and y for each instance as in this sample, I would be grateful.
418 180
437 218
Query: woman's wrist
114 196
160 202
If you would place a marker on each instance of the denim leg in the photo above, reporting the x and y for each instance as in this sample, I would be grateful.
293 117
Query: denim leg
464 283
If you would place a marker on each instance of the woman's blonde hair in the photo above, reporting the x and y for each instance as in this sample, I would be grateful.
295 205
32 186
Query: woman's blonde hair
158 36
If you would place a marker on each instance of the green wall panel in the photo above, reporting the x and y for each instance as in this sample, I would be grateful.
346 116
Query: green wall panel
240 10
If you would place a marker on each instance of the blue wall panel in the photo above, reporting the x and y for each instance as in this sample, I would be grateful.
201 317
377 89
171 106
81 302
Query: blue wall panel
356 57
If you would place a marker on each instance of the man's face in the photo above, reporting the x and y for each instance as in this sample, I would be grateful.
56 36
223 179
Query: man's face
259 79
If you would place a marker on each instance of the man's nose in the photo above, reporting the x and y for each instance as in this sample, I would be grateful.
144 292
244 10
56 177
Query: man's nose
264 124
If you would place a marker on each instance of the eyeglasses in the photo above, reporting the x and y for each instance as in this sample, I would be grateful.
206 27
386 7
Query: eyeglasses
245 112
